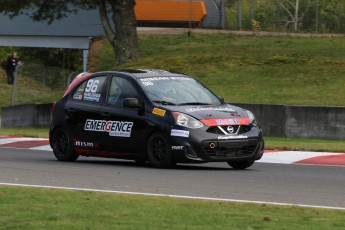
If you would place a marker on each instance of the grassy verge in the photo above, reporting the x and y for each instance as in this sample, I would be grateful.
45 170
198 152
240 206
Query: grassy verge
300 144
33 208
266 70
25 132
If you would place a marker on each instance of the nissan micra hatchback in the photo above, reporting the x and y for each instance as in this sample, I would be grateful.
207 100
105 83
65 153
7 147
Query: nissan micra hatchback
152 115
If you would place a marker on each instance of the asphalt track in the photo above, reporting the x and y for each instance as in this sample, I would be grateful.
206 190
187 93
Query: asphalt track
297 184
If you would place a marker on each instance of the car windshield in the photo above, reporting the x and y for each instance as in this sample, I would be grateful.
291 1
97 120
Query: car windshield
177 91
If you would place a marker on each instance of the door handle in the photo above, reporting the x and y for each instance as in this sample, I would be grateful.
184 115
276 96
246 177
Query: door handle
70 111
106 115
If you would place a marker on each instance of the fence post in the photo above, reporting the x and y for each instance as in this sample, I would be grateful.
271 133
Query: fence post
19 65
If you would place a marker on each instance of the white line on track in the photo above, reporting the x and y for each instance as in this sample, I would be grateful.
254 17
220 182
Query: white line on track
172 196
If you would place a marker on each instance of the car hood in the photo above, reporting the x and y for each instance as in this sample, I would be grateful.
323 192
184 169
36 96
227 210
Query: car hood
214 115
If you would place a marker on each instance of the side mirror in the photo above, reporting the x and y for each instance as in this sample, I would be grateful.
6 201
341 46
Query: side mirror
131 103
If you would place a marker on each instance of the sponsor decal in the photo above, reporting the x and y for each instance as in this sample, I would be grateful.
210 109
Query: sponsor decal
84 144
179 133
114 128
159 112
219 122
177 147
79 94
226 121
191 110
165 78
150 80
231 137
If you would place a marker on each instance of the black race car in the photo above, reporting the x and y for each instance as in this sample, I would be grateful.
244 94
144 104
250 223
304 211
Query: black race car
152 115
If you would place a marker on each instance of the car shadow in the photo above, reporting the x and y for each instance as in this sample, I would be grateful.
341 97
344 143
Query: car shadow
130 163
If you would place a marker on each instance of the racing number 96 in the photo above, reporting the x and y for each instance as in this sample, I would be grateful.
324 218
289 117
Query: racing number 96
92 86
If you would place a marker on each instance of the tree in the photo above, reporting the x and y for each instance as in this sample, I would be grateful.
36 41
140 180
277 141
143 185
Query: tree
294 11
122 36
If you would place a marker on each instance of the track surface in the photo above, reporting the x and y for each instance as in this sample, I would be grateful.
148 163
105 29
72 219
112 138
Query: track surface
267 182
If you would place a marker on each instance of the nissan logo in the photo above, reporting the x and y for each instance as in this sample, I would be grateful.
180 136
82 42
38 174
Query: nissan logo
230 129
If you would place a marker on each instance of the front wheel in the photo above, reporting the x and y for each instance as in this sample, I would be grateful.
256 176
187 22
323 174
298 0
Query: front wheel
240 164
159 151
62 145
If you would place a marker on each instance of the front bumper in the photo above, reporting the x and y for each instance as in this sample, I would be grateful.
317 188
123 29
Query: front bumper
204 147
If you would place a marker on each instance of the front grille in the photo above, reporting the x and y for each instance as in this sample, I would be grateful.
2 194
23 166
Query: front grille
223 152
237 129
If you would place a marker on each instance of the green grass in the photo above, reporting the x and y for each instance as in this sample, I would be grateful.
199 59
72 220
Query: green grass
266 70
34 208
25 132
302 144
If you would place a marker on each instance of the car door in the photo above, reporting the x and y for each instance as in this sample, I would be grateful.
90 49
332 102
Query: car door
82 111
127 129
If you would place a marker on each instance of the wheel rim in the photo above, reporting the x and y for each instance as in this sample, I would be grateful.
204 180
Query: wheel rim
62 142
159 149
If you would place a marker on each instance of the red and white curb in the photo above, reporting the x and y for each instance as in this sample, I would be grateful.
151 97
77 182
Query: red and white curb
270 156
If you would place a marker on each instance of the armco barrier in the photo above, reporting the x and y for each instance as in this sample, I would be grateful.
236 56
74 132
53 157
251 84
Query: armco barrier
300 121
275 120
28 115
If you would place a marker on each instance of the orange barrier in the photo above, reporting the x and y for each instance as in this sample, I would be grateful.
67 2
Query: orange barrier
178 11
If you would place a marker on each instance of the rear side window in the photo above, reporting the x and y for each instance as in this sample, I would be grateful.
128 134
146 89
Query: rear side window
91 90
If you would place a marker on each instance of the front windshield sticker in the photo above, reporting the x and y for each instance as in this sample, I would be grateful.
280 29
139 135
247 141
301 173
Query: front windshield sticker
150 80
191 110
114 128
159 112
179 133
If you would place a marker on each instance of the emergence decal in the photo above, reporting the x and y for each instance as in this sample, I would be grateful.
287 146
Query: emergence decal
114 128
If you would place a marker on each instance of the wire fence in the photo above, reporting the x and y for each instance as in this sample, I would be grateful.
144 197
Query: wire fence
40 84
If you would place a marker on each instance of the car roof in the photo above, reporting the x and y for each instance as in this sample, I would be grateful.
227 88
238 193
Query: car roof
134 73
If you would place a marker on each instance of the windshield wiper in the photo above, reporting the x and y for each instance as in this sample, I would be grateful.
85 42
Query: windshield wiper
164 102
194 103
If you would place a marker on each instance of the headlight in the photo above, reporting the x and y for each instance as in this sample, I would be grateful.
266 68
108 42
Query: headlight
186 121
251 117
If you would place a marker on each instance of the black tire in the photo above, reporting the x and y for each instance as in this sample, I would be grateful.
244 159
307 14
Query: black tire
241 164
159 151
63 146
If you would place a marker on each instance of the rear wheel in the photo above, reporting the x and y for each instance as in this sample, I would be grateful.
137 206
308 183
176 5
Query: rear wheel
62 145
159 151
241 164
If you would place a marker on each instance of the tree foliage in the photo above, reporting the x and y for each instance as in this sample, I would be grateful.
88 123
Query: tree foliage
121 33
291 15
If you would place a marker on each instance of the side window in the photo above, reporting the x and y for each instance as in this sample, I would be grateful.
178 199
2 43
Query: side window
90 90
78 93
119 90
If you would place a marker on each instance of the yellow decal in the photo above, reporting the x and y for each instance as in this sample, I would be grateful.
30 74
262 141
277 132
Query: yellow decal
159 112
